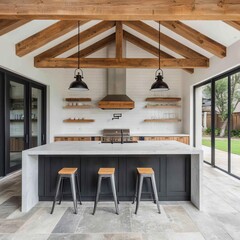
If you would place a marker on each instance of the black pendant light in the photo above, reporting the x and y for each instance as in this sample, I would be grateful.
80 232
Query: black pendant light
78 84
159 84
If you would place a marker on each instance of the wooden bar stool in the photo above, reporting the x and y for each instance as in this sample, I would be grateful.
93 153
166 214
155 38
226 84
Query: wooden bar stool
72 174
143 173
104 173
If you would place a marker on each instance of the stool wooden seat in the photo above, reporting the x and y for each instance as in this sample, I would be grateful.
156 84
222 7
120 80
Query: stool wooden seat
145 170
104 173
72 174
143 173
67 171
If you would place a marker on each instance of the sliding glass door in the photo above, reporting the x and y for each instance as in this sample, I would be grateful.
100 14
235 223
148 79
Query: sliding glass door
37 135
16 123
235 124
221 124
220 121
206 117
22 119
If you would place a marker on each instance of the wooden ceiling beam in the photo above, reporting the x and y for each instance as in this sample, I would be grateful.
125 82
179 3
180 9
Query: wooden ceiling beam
234 24
196 37
7 25
45 36
121 63
149 48
73 41
95 47
166 41
121 9
119 39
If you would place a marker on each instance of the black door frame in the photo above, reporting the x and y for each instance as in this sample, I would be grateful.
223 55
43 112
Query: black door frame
5 77
212 81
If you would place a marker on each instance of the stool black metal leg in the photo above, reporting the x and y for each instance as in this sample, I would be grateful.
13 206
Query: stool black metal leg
78 188
73 188
98 193
61 197
155 192
139 193
152 192
114 193
136 189
57 192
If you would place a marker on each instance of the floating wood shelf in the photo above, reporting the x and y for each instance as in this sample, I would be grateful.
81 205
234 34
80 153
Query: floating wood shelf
162 106
78 120
163 120
163 99
78 107
78 99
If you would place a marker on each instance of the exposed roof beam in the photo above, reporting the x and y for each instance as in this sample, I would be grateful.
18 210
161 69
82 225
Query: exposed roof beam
235 24
73 41
121 63
119 39
149 48
95 47
166 41
45 36
121 9
10 25
196 37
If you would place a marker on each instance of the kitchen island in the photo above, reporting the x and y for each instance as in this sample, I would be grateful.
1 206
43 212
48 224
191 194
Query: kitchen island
177 167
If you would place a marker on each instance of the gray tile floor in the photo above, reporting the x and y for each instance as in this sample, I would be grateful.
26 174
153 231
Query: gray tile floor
219 219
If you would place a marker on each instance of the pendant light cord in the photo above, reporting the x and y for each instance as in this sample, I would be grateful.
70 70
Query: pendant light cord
78 44
159 35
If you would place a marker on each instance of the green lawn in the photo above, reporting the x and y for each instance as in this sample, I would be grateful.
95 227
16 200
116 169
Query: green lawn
221 144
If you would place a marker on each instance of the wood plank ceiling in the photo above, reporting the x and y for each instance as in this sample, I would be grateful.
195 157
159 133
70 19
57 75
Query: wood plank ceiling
19 13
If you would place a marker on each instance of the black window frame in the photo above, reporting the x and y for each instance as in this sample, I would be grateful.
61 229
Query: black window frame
212 81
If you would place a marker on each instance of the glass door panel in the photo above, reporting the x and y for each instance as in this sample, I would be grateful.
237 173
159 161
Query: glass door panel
235 124
221 123
36 117
16 124
207 122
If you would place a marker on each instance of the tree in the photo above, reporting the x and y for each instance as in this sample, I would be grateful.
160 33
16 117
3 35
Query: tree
221 98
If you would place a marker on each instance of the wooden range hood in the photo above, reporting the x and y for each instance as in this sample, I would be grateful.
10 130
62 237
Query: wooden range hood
116 86
116 102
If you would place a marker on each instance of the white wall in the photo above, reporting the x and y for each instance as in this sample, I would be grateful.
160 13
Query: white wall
217 66
58 80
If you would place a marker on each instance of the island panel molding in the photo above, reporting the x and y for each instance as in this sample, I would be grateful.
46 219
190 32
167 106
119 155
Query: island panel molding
169 188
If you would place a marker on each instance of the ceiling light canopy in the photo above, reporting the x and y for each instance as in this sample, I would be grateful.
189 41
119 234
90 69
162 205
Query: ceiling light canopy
78 84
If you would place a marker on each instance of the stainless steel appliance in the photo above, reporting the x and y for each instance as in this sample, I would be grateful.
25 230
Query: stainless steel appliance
117 136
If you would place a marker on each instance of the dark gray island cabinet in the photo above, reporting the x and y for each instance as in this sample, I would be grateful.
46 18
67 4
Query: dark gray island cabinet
172 173
177 168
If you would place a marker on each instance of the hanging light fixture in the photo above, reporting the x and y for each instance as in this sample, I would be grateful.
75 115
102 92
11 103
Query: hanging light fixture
78 84
159 84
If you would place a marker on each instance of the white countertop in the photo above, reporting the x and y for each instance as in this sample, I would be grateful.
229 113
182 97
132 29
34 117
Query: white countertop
98 148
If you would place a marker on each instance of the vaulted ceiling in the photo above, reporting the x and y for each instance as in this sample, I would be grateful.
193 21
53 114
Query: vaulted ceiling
184 44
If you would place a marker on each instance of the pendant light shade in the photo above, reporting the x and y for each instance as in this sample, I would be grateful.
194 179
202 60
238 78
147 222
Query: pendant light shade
78 84
159 84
